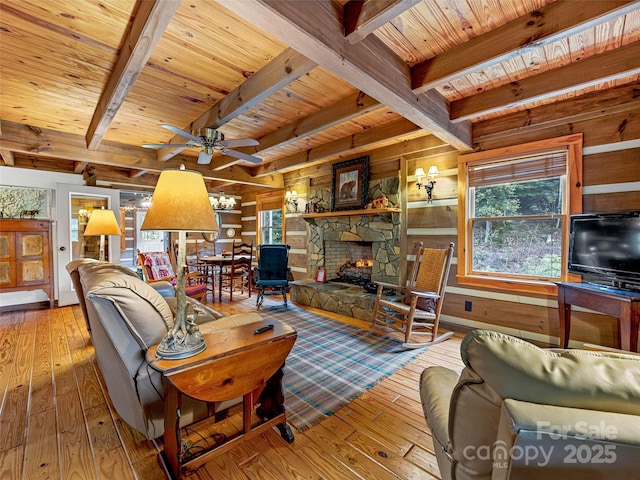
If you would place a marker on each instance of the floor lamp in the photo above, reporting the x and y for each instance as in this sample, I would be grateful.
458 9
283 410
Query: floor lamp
102 222
180 203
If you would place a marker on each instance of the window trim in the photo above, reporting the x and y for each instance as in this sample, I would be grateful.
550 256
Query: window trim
265 198
573 144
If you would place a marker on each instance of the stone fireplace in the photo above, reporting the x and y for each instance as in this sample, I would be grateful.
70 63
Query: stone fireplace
339 241
332 239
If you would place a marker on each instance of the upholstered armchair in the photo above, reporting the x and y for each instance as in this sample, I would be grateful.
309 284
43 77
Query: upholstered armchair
157 267
127 316
521 412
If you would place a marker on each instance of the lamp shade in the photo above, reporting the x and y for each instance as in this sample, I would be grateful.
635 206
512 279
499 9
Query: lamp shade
180 203
419 173
433 171
102 222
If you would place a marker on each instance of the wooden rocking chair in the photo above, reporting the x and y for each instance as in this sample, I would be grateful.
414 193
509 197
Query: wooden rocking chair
418 312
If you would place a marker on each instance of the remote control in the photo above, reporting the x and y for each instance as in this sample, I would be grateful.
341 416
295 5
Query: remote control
263 329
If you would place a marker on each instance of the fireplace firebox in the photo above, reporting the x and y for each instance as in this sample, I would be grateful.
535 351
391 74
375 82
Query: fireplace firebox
349 261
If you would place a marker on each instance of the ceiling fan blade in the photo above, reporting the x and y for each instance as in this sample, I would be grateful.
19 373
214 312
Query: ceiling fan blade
163 145
240 142
204 158
183 133
242 156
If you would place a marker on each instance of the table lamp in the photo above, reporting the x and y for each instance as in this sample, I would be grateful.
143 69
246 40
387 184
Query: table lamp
102 222
180 203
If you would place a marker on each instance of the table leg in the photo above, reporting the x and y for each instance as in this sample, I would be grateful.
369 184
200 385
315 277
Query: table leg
220 283
634 321
172 436
564 312
628 326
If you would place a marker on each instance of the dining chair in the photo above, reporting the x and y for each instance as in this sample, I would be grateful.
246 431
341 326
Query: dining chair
416 313
157 266
237 274
205 248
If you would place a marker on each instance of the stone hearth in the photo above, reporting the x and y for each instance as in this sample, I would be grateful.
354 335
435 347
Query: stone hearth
350 300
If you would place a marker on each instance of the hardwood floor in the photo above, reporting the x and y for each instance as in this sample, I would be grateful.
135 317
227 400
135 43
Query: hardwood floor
56 420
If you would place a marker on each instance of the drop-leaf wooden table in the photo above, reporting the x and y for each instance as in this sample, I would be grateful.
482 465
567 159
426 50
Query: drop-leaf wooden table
236 363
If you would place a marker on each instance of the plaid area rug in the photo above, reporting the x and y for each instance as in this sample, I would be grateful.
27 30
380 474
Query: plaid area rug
331 364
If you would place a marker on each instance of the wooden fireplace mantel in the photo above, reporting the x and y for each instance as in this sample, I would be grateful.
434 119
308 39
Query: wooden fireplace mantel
351 213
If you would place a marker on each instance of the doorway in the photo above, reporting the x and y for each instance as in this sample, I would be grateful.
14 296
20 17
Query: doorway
148 240
74 204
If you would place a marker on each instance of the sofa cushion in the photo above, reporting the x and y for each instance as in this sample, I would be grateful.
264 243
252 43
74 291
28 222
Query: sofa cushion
144 310
517 369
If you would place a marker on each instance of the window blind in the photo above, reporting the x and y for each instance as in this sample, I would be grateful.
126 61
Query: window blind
548 165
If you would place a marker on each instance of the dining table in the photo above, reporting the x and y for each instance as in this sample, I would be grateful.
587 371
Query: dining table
218 262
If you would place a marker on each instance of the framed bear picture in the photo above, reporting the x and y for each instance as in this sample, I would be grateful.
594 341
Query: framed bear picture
350 184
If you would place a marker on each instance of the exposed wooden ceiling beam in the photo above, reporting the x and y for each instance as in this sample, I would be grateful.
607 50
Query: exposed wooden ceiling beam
425 144
347 109
149 23
277 74
605 67
549 24
120 177
52 144
137 173
315 30
78 167
43 164
343 146
363 17
603 103
7 157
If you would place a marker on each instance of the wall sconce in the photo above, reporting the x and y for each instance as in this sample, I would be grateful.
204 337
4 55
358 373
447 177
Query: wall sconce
433 172
222 202
291 198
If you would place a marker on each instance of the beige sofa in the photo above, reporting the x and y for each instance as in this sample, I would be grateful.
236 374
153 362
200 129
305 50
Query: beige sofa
521 412
125 316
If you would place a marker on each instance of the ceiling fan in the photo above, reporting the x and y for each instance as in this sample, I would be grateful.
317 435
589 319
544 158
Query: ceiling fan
211 140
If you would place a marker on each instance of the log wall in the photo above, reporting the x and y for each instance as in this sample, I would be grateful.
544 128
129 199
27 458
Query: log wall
611 176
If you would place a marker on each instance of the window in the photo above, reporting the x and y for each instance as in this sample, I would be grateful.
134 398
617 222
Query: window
270 218
514 208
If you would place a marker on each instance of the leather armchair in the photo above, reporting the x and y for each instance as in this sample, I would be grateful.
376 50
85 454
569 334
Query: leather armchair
520 412
126 316
163 288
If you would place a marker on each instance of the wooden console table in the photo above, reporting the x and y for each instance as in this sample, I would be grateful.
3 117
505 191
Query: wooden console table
622 304
236 363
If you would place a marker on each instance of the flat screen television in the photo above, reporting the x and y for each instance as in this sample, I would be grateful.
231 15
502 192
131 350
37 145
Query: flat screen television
605 248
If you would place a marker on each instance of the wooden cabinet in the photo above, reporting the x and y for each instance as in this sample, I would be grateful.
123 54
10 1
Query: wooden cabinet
25 256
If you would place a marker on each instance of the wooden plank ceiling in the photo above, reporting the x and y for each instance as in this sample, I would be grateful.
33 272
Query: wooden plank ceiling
84 84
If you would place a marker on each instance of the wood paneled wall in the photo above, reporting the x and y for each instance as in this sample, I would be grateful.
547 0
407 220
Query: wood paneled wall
611 178
611 182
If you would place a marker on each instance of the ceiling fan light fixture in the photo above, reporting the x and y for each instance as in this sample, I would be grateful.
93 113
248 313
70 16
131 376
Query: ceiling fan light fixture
210 140
209 135
204 157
